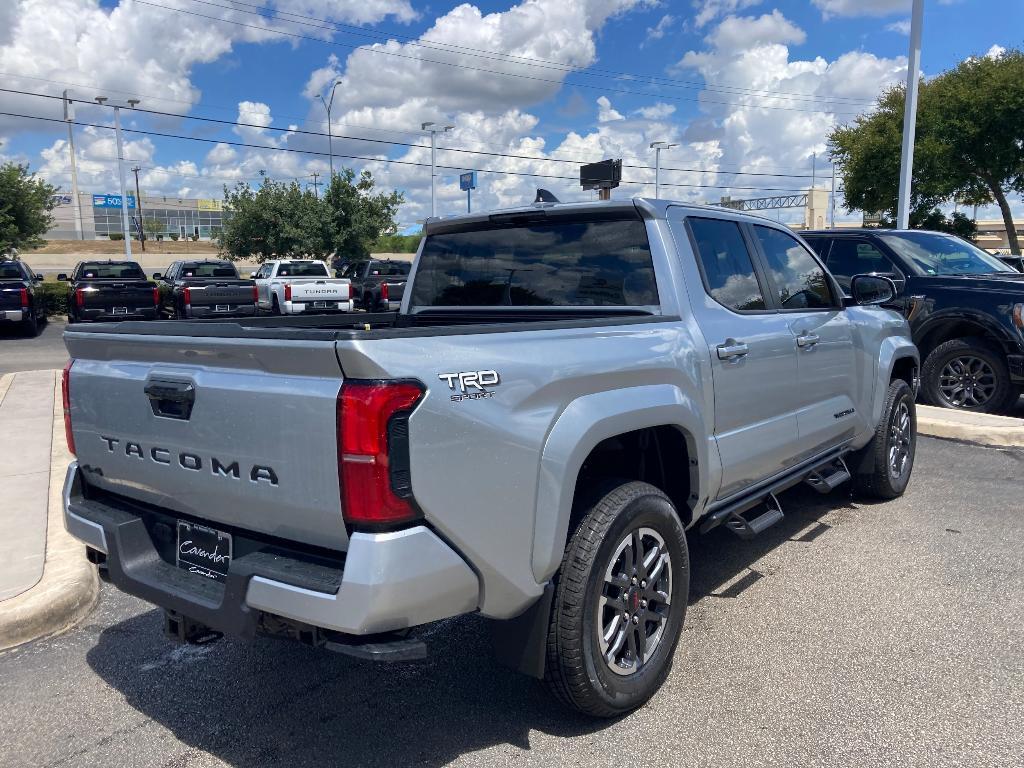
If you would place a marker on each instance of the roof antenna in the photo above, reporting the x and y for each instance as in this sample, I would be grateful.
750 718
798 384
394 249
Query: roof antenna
543 196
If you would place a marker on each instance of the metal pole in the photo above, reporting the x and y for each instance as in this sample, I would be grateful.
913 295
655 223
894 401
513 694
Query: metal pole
469 201
138 207
814 163
433 163
832 201
657 172
69 119
910 116
330 141
124 192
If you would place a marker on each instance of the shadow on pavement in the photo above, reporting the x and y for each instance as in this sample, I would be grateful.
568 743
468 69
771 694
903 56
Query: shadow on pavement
277 703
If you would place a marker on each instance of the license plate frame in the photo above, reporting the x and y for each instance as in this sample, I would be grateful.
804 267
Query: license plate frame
201 550
324 304
221 307
119 311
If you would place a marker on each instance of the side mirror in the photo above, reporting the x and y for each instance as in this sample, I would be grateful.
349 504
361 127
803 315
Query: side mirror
63 277
866 290
157 276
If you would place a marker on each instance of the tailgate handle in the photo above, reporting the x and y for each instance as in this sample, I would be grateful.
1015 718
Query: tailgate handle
171 399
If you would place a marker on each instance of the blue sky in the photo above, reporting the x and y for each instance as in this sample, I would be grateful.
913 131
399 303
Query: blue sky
746 88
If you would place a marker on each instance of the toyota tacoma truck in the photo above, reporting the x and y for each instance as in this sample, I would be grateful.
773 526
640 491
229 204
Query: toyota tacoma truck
294 287
210 288
110 290
566 390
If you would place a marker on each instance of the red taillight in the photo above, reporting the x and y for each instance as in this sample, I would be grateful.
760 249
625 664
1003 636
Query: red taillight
65 391
187 294
383 291
156 295
288 292
373 451
24 299
255 293
79 297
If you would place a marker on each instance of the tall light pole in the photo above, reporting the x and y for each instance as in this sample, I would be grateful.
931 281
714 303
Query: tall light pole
120 172
434 129
910 115
657 146
328 103
69 118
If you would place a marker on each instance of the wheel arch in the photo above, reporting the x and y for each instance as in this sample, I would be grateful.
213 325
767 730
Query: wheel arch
959 325
898 358
590 422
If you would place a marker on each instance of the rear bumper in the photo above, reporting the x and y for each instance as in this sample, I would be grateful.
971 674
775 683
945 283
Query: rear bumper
244 310
386 581
105 314
12 315
301 307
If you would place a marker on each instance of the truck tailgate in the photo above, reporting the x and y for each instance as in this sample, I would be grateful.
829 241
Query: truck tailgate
10 295
104 295
232 433
211 294
320 290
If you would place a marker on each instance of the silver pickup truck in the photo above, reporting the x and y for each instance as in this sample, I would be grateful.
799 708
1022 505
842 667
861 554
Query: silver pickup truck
566 390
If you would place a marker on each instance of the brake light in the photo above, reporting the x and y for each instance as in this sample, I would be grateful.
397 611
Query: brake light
65 391
287 291
24 299
383 291
373 451
255 293
187 294
79 297
156 295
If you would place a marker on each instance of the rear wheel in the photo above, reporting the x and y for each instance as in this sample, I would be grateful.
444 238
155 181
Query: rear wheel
969 375
620 599
30 324
275 307
893 447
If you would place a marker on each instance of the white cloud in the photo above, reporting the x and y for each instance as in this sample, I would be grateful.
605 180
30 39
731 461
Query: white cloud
221 153
606 112
657 111
658 30
862 7
742 32
901 27
995 52
709 10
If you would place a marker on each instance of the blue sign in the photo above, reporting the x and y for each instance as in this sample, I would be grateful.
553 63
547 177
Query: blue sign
467 181
111 201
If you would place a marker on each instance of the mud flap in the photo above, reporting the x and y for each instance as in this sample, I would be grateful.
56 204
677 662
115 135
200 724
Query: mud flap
521 642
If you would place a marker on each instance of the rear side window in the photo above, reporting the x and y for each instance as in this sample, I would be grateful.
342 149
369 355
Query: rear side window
820 245
798 278
726 263
851 257
562 263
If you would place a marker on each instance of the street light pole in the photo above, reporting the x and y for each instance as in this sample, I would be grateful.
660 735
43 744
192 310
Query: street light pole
120 174
432 128
910 115
328 103
69 118
657 146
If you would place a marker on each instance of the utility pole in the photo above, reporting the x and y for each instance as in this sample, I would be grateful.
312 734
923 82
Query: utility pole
138 207
814 168
433 130
832 200
657 146
328 103
910 115
316 183
120 172
69 118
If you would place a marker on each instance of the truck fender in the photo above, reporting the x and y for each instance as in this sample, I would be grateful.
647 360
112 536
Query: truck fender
579 429
961 315
892 349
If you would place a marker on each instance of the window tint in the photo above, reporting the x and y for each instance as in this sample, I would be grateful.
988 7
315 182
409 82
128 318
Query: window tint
801 283
727 266
209 269
302 269
567 262
819 244
10 270
851 257
124 271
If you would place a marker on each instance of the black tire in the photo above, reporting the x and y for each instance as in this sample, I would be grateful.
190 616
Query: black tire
576 670
890 454
275 308
30 324
985 385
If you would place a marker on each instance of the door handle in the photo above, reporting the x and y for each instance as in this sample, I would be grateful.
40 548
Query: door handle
171 399
732 349
807 340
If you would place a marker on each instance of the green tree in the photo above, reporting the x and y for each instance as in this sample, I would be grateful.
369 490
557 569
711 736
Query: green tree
153 227
358 216
25 205
277 220
969 143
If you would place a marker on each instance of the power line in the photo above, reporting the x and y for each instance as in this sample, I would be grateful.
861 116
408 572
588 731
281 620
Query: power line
463 66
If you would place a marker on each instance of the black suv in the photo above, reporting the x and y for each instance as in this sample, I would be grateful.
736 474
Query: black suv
965 307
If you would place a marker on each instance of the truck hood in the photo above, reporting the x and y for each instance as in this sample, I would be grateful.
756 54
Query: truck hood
1001 282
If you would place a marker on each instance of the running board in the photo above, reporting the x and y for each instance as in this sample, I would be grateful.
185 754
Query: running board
827 479
748 529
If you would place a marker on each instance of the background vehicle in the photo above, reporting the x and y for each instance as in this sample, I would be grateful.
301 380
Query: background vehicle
964 307
377 284
292 286
20 300
1017 262
196 289
568 389
110 290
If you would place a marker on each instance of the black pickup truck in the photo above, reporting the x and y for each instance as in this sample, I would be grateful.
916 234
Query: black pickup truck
965 308
20 302
378 284
110 290
210 288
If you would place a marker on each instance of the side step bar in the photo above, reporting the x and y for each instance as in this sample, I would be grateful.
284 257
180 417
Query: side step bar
748 529
827 479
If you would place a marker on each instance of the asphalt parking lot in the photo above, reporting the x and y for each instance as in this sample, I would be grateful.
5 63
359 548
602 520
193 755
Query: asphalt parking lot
847 635
20 353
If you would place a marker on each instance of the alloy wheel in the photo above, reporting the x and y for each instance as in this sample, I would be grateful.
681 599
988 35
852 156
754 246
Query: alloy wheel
967 382
900 438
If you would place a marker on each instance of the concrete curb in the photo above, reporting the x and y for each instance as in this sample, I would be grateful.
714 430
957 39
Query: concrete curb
69 587
981 428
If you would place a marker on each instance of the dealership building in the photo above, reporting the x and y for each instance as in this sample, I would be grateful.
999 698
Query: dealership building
101 216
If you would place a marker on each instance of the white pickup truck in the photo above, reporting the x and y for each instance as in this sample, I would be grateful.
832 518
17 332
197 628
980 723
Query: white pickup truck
293 287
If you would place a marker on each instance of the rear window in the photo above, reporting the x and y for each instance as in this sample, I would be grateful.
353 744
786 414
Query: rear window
208 270
302 269
564 263
390 269
129 271
10 271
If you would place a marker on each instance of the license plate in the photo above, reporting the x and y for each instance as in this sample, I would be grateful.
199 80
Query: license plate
222 308
203 551
120 310
322 304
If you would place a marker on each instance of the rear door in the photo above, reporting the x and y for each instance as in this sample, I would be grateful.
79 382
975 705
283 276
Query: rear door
753 357
822 337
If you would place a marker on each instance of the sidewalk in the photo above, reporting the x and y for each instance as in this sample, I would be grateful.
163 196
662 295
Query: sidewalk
46 584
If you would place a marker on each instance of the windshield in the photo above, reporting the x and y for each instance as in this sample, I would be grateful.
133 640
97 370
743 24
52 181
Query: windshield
124 271
302 269
209 269
564 263
933 253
